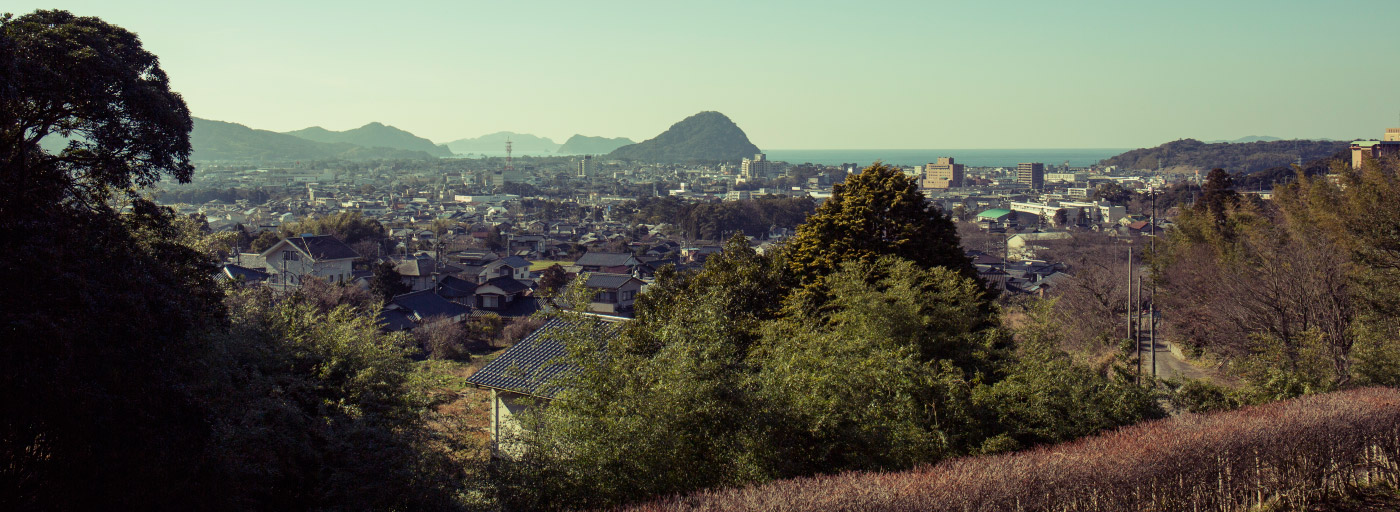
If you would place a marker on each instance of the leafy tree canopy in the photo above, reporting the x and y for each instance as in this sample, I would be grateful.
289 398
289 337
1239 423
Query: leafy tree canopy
92 83
875 213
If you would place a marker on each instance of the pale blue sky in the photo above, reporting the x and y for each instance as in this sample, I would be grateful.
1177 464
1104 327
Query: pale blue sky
803 74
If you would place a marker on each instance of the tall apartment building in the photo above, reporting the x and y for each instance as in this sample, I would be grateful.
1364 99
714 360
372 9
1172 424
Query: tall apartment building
1031 174
944 174
585 166
756 167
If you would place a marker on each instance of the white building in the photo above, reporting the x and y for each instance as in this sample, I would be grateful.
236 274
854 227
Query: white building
293 260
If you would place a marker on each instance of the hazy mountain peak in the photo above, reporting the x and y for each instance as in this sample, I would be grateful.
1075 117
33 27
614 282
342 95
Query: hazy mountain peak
586 145
374 134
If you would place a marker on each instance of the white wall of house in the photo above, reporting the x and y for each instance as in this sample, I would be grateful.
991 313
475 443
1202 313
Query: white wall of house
505 426
616 301
290 267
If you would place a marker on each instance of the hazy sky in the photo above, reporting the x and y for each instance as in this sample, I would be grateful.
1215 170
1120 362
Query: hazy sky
793 75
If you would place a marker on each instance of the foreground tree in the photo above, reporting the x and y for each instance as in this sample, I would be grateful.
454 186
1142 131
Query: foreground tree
98 351
91 83
125 385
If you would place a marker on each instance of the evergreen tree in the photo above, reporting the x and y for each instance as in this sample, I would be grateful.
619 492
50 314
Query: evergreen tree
387 283
875 213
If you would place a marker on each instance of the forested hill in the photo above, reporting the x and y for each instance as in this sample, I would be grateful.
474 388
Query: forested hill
374 135
585 145
1263 179
703 137
1235 158
218 140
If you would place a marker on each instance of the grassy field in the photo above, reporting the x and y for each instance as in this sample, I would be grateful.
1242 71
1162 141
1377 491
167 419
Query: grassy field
541 265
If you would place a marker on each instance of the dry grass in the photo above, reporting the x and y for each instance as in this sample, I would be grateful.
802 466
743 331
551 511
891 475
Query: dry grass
461 412
1292 455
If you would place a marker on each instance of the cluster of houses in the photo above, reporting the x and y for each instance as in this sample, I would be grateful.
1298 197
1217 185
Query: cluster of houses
459 285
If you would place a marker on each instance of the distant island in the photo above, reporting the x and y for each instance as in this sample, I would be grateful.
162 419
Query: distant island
223 141
374 135
1191 154
585 145
704 137
521 143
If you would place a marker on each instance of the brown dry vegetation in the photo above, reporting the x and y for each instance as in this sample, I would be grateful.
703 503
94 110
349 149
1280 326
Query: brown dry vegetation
1290 455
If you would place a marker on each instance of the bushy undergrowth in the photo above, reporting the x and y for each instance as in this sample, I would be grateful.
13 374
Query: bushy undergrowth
1290 453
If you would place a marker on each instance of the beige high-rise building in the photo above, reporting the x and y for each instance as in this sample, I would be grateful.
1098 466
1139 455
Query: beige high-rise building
943 175
585 166
756 167
1031 174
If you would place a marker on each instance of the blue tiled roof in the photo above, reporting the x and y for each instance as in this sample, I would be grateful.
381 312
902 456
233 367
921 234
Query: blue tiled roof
507 284
395 320
608 281
232 271
528 367
455 288
516 262
428 304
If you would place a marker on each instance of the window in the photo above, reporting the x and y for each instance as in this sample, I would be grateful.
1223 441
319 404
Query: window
490 301
629 294
290 256
606 297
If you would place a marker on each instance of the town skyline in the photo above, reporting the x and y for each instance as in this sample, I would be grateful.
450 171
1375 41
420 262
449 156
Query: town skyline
888 75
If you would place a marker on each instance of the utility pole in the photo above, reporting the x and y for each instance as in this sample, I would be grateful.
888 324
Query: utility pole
1136 345
1152 328
1152 308
1138 339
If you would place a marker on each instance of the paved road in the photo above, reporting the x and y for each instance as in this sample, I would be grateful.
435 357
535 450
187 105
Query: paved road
1169 366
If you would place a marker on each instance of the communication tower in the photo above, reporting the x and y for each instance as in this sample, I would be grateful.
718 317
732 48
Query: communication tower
509 167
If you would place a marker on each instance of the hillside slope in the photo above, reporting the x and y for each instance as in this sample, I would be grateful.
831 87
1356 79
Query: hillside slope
218 140
1295 451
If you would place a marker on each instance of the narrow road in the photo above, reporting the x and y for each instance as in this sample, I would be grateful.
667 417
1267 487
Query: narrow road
1168 365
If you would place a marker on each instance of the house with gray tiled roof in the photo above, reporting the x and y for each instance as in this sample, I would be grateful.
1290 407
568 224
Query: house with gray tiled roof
498 293
613 294
422 306
533 371
292 260
610 262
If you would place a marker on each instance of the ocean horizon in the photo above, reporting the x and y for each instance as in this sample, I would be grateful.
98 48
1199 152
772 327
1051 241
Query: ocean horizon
1077 157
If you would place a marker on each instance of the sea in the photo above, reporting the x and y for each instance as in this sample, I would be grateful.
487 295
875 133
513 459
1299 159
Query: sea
1077 157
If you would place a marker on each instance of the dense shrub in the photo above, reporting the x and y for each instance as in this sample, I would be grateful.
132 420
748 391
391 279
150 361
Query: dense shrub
1290 453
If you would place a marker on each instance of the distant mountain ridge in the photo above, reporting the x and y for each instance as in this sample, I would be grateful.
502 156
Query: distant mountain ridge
521 143
373 135
1247 138
586 145
704 137
1233 157
219 140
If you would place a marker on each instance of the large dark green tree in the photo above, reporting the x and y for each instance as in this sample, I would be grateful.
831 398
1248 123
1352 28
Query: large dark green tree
101 311
91 83
875 213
